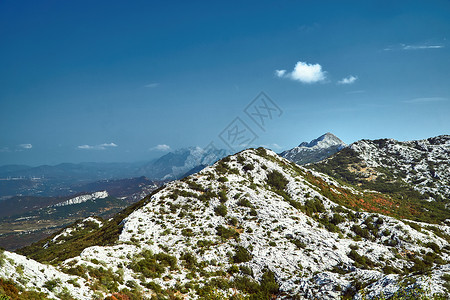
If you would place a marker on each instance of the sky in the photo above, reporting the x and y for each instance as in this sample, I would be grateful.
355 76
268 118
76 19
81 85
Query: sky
129 81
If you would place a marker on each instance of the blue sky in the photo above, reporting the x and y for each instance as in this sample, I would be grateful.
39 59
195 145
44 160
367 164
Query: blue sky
129 80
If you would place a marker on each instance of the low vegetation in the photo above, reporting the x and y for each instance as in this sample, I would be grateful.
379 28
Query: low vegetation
106 235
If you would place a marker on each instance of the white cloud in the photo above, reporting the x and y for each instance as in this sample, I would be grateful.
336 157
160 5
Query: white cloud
418 47
98 147
413 47
304 72
426 100
272 146
162 147
85 147
152 85
348 80
280 73
26 146
108 145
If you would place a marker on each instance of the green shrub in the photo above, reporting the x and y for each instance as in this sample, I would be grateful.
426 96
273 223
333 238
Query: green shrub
223 196
153 266
248 167
433 246
187 232
246 270
241 255
233 221
226 233
244 202
263 290
195 186
337 219
51 284
390 270
9 290
361 232
361 261
190 260
313 206
222 179
153 286
221 210
233 269
2 257
277 181
298 243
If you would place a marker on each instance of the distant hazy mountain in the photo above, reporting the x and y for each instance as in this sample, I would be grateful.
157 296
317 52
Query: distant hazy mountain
316 150
69 171
62 179
56 180
176 164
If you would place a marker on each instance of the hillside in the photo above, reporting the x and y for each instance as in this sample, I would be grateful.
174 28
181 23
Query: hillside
67 178
256 225
31 225
414 170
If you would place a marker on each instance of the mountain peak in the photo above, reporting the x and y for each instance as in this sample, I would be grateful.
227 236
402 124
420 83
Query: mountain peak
316 150
324 141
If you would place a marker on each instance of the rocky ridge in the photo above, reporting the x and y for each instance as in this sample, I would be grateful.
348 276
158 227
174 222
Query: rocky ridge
314 151
425 164
84 198
256 224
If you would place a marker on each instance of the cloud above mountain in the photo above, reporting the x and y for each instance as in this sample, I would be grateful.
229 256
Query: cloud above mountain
25 146
413 47
161 147
103 146
348 80
303 72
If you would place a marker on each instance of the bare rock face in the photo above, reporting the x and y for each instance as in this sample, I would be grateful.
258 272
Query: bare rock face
316 150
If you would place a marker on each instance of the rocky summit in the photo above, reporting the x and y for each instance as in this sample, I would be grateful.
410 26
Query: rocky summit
314 151
252 226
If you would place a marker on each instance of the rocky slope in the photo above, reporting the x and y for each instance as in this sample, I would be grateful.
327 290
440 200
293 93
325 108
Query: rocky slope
314 151
423 163
413 169
253 224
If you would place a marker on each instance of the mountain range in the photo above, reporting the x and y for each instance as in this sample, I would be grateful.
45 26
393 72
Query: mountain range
176 164
62 179
253 224
368 222
413 170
